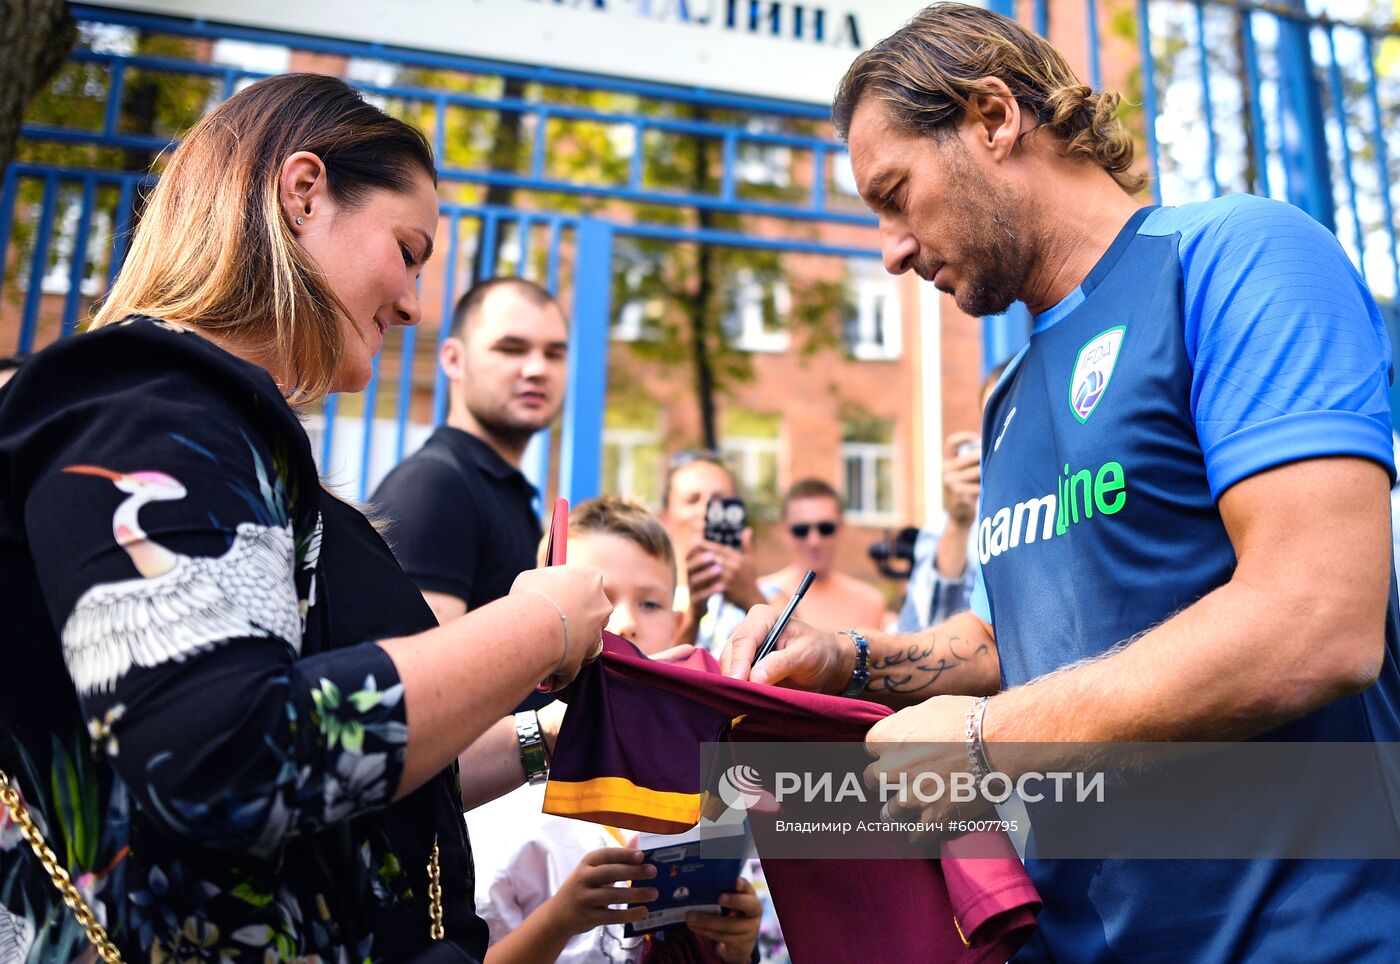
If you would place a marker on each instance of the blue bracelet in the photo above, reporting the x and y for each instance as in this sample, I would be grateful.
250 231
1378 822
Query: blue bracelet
860 676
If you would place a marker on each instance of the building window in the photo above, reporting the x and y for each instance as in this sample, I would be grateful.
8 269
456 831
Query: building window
756 312
639 312
752 443
843 178
632 453
261 58
757 163
867 460
873 330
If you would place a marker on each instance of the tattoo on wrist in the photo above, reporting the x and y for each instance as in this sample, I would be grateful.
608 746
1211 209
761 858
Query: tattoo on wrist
915 668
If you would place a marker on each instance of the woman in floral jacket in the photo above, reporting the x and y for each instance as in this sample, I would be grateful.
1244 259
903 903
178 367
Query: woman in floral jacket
232 716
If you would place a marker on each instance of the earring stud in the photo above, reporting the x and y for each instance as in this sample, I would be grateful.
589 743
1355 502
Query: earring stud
300 221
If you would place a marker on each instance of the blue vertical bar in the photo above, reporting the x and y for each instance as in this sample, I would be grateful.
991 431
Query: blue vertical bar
121 227
230 82
77 261
1149 98
328 410
581 447
406 359
38 265
1339 105
1206 107
536 461
7 214
1007 8
731 153
371 397
449 297
819 171
489 229
1303 135
1091 14
116 87
1042 18
1256 104
636 173
1382 165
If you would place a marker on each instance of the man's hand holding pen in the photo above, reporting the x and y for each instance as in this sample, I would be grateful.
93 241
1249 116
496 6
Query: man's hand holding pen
806 657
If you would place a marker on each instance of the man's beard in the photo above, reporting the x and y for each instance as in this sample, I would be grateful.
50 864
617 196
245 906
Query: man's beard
993 255
511 432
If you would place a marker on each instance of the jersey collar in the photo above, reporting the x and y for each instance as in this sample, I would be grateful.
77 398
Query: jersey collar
1050 316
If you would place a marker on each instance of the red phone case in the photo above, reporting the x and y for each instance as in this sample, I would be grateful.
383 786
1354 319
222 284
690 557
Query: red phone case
556 551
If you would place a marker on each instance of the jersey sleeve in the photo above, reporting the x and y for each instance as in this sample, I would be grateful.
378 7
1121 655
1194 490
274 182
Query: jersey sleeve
1290 355
172 516
433 525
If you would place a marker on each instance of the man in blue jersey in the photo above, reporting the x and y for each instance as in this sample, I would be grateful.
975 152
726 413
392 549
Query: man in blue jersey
1183 530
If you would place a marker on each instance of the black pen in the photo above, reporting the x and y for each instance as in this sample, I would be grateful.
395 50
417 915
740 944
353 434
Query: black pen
770 641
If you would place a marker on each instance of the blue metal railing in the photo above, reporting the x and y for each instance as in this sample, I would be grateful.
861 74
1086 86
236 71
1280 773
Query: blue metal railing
731 137
1310 144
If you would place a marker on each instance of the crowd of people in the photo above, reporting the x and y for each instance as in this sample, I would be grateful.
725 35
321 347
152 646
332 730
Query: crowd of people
247 718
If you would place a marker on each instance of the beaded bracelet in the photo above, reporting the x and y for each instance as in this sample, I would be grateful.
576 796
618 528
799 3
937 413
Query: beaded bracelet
976 753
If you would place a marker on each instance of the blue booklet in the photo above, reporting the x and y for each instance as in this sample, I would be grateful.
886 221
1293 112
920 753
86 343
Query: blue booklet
692 870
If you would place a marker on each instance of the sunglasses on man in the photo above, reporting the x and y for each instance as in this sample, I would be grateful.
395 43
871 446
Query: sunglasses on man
801 530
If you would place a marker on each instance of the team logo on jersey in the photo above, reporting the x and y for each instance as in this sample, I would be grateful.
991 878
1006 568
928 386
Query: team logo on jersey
1092 370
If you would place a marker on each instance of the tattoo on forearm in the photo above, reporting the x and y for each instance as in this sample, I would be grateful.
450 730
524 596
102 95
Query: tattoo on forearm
917 668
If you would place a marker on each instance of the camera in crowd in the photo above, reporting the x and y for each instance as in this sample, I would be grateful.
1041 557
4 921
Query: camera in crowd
894 554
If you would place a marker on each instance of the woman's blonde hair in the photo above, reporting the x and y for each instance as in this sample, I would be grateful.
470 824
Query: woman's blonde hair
928 73
213 250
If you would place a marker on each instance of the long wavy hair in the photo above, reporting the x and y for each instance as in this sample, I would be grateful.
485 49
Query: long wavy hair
214 251
928 73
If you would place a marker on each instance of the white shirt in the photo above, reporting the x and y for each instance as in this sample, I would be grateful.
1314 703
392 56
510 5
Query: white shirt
522 858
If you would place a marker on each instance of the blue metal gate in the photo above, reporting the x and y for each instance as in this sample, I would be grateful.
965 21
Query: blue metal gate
1234 95
69 221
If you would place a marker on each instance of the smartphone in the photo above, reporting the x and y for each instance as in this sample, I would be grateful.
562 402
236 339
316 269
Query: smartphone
555 554
724 522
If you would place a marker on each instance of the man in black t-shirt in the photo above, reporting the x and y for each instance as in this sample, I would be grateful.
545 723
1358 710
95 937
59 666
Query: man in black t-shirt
463 519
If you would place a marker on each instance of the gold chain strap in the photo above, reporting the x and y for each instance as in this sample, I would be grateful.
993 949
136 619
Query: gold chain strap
435 930
96 933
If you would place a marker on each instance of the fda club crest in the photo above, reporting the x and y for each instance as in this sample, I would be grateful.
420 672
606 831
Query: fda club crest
1092 370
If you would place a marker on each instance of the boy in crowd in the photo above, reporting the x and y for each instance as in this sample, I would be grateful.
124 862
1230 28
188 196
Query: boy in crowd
546 885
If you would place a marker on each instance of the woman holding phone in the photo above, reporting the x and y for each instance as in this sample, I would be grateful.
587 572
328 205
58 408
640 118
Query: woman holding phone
720 584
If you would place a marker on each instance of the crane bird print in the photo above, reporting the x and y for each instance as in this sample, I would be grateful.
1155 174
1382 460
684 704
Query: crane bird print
179 605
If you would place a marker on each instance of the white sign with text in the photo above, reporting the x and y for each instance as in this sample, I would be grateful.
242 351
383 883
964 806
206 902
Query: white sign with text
767 48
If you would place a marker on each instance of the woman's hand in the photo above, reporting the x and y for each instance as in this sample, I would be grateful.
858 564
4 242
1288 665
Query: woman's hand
734 934
577 592
583 901
712 568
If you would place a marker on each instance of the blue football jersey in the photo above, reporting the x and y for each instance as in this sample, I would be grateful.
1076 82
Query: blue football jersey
1211 342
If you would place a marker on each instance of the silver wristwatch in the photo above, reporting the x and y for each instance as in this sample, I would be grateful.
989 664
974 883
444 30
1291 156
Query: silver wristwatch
534 755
